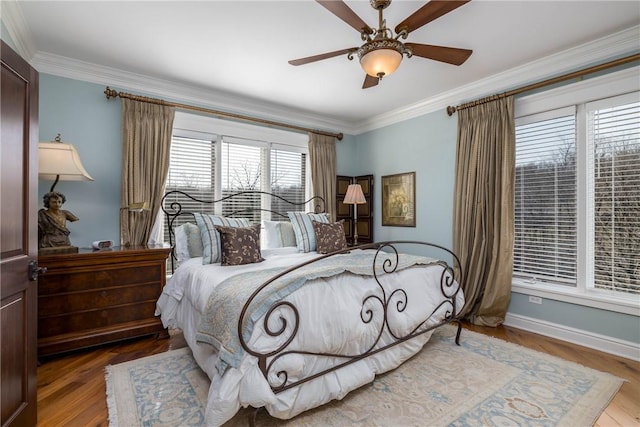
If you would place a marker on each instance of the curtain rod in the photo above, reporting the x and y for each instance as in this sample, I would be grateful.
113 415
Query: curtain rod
111 93
553 80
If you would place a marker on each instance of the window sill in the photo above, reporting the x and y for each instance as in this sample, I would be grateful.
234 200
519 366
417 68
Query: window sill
597 299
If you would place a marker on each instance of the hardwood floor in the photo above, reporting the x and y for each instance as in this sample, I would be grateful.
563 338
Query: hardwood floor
71 389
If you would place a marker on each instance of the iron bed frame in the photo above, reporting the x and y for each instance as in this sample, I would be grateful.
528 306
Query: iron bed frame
395 301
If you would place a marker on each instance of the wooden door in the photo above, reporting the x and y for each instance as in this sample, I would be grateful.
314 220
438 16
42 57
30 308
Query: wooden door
18 239
365 211
344 212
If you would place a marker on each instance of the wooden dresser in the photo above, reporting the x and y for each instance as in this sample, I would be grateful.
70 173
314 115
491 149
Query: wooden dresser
95 297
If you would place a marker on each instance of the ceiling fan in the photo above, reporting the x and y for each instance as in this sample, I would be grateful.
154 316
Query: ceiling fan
382 52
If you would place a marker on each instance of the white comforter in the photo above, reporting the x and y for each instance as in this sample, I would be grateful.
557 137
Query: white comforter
330 321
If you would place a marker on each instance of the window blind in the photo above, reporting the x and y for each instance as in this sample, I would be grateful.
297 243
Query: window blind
192 168
545 199
614 157
288 180
242 169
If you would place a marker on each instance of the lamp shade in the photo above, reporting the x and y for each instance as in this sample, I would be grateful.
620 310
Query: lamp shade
59 159
381 62
354 195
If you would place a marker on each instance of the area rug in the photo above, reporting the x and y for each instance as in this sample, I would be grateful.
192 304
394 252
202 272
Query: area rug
483 382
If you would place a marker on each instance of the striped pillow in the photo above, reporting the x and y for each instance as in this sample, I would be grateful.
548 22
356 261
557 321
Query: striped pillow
303 229
211 237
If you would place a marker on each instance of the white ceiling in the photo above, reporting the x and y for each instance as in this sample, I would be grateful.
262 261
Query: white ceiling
228 51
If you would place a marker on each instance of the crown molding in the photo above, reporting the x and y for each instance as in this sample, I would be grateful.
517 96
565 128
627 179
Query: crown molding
16 26
189 94
606 48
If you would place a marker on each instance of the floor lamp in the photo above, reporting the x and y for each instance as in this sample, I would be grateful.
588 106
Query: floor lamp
355 197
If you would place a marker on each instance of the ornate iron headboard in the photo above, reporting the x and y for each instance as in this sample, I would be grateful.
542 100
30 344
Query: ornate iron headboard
174 209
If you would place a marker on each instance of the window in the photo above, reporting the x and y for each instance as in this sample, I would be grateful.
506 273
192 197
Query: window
545 198
613 136
577 192
209 164
288 172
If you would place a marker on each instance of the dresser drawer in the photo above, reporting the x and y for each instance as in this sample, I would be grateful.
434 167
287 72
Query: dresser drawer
62 303
94 319
56 282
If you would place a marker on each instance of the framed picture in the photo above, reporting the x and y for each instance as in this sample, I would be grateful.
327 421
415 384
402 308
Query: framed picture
399 200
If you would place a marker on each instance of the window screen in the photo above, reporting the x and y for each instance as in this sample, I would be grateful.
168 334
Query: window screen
545 198
614 141
288 180
192 169
211 169
242 169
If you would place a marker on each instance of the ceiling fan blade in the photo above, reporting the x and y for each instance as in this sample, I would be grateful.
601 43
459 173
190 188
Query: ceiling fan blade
450 55
322 56
344 12
370 81
427 13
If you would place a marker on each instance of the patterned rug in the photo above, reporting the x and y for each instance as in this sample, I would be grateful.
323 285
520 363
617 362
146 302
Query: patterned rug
482 382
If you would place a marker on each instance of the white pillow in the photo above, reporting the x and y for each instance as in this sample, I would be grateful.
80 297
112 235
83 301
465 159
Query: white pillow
303 229
181 249
278 234
211 237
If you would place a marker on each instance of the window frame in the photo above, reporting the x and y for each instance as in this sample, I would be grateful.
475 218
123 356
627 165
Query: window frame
579 94
189 125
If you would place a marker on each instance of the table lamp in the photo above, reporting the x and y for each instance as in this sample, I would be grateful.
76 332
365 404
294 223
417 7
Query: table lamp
57 161
355 197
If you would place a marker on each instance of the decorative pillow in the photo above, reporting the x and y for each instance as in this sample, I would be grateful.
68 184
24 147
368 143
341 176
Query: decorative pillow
240 245
303 229
278 234
211 237
329 237
194 239
287 234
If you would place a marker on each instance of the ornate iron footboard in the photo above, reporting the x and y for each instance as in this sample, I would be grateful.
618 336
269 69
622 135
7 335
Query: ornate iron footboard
396 300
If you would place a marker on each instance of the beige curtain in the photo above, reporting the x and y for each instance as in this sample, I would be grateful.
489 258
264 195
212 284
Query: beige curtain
322 156
146 140
484 208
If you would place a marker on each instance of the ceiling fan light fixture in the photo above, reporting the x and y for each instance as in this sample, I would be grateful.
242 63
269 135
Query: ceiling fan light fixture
380 58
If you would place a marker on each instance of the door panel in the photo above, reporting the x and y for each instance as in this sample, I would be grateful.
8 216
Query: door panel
344 212
365 211
18 239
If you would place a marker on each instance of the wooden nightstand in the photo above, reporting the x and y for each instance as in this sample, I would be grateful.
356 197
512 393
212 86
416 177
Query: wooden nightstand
95 297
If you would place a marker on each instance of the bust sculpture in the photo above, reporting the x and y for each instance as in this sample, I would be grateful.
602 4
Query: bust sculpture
52 224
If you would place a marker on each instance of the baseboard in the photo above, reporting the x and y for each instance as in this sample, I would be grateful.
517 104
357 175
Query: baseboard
588 339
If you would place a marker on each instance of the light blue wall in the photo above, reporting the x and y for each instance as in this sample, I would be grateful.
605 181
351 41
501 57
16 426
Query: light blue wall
83 116
346 161
425 145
